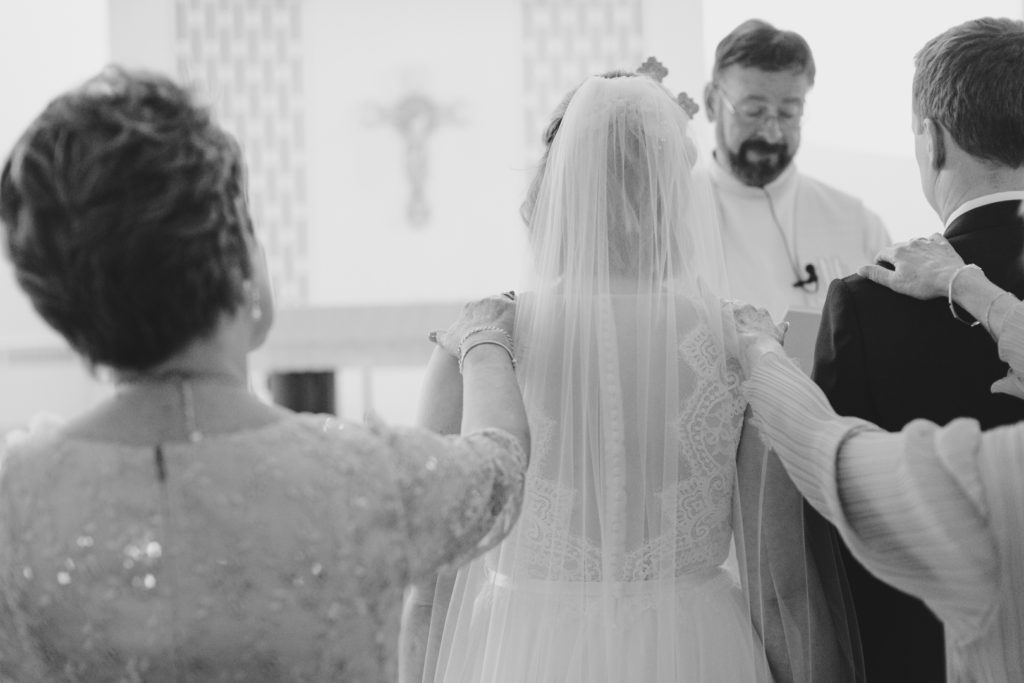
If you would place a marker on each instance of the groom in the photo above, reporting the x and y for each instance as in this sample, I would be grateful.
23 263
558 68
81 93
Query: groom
890 359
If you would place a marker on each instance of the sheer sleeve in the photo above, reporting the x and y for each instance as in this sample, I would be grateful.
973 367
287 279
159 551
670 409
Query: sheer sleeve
461 495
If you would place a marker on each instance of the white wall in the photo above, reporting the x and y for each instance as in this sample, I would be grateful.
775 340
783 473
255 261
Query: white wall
40 57
46 46
465 56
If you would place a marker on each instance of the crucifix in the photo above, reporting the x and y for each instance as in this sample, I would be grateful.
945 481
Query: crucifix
416 117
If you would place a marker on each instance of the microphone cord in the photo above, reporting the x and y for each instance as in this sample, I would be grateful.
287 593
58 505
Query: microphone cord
792 257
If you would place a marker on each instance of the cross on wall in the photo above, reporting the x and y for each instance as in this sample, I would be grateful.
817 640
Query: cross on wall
416 117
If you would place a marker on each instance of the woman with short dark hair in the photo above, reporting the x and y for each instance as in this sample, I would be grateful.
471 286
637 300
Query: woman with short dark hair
183 530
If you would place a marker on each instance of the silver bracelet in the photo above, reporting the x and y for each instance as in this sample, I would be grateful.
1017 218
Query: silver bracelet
481 342
483 328
988 309
949 292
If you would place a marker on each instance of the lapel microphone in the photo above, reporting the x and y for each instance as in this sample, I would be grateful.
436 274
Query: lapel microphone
812 276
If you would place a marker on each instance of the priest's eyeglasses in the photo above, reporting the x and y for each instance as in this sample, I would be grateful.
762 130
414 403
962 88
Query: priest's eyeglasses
754 113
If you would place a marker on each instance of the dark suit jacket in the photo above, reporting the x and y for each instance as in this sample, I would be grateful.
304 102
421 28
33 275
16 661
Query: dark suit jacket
890 359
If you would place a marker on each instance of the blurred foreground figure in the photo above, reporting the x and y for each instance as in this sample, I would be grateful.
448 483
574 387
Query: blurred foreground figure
184 530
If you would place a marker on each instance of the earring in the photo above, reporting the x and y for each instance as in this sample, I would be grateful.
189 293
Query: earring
252 293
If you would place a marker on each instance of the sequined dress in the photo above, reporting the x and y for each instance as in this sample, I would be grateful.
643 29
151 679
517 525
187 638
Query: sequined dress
272 554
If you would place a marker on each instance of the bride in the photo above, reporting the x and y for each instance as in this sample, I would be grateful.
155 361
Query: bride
644 473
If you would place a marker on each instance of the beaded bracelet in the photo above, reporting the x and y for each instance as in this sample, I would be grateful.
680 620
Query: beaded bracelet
481 342
952 308
484 328
507 345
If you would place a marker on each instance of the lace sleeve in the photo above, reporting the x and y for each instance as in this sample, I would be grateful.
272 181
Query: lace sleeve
461 495
18 661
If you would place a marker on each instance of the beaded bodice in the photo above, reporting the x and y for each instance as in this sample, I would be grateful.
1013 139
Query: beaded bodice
273 554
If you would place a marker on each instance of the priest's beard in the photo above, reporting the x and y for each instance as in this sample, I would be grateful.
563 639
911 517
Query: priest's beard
764 168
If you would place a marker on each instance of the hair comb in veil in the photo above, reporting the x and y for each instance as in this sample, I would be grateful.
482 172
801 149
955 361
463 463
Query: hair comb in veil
654 69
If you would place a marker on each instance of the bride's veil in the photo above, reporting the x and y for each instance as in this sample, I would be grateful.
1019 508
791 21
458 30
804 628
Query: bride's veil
613 570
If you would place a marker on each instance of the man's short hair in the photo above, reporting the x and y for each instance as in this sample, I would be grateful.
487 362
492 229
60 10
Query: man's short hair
759 45
970 80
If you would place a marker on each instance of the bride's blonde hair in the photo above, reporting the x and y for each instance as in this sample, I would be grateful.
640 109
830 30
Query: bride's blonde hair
526 208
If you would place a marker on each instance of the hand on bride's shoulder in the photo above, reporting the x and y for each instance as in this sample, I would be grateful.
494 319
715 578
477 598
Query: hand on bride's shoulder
756 332
751 320
496 312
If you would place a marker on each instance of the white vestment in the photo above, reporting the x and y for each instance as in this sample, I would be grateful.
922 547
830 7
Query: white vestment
813 224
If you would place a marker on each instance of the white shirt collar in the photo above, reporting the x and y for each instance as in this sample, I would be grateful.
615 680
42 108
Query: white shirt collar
983 201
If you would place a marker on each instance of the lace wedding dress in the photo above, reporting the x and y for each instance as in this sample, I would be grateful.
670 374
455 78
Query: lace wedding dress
277 554
617 569
614 570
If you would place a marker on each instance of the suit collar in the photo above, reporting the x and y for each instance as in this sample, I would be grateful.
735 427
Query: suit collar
984 199
985 215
